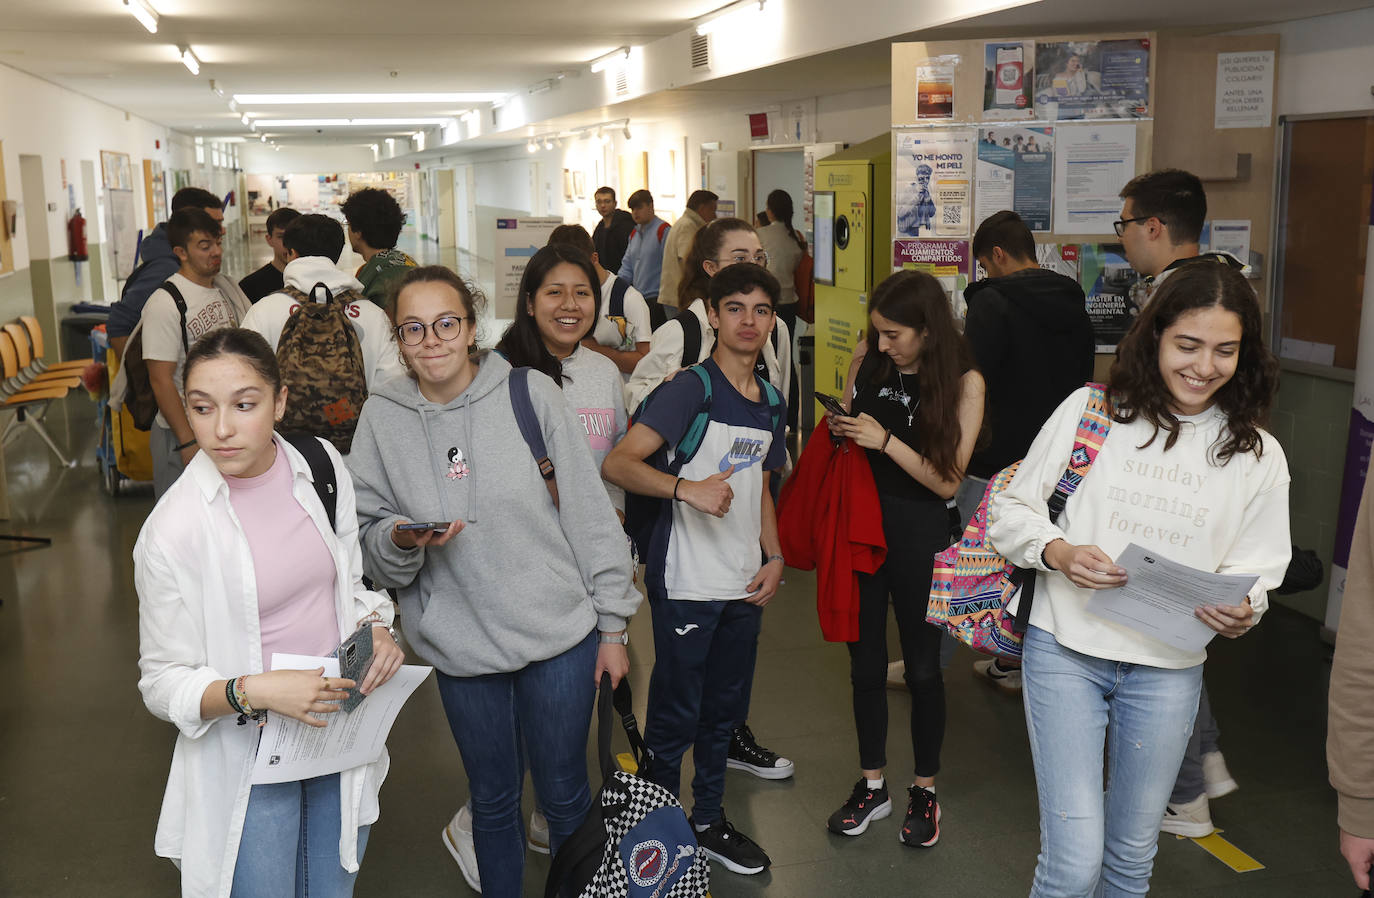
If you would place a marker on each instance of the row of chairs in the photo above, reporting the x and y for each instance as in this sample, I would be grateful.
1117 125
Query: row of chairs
30 383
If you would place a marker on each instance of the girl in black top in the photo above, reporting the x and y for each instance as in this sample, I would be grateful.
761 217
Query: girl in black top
917 406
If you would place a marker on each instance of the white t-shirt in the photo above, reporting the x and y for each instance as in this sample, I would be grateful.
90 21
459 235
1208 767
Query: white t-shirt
625 332
207 309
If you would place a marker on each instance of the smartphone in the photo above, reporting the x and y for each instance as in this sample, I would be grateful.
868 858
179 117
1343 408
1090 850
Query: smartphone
832 405
355 657
436 526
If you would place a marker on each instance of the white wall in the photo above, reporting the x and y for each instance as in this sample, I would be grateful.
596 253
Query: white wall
260 159
1326 63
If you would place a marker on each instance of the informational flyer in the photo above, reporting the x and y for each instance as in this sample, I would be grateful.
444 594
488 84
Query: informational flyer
1114 292
948 261
1091 165
1015 171
517 240
1092 79
935 90
1230 236
1061 258
1008 78
1245 89
932 173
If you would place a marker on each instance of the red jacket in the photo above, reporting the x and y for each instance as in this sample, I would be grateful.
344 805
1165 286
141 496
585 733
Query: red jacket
829 519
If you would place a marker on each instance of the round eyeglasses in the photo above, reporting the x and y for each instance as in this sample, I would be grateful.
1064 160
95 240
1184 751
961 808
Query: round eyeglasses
758 258
412 333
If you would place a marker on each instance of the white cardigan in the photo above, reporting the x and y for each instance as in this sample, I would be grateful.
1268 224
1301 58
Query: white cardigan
198 623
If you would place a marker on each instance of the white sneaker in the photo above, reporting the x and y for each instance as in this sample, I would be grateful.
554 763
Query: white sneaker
896 675
1008 679
1192 819
457 838
1216 778
539 832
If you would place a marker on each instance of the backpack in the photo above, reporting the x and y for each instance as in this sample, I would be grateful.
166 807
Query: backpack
646 517
321 472
972 583
530 431
635 841
322 369
138 386
615 304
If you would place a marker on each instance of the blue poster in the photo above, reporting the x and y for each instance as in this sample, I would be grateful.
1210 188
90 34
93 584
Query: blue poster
1092 79
1016 171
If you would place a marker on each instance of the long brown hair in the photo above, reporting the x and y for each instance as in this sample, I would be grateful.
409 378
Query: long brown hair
706 244
915 299
1139 389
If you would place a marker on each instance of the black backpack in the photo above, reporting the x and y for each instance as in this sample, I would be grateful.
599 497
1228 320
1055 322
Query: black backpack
138 391
636 839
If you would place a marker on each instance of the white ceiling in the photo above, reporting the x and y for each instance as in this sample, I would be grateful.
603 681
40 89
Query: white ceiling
270 46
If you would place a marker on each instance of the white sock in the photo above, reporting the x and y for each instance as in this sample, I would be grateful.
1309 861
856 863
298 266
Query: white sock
875 784
700 828
930 789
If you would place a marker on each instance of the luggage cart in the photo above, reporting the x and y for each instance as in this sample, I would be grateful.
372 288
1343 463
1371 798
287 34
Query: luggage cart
125 459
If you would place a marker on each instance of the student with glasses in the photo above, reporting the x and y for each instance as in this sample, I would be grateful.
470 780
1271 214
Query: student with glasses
519 594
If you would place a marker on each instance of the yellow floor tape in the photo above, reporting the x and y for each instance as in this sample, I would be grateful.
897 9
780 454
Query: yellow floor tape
1227 853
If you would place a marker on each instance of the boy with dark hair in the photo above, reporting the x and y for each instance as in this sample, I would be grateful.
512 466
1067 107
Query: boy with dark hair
613 231
622 332
705 584
642 266
268 278
192 302
157 265
1161 224
375 220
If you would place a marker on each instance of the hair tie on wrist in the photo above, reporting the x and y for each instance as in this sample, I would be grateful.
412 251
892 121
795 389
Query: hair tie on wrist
887 435
675 486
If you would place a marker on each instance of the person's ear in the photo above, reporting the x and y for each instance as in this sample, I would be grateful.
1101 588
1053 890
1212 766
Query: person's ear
713 314
279 404
292 255
180 253
711 267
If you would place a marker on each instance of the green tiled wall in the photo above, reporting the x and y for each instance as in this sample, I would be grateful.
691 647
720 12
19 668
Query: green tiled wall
1312 421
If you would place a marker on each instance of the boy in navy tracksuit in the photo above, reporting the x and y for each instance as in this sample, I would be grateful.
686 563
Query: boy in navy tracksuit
706 586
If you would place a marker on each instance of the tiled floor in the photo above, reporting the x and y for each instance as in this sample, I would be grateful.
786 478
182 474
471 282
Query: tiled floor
82 763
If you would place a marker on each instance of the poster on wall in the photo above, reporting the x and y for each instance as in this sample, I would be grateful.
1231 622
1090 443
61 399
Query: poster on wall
932 174
1061 258
1092 79
1245 89
1008 76
935 89
116 170
517 240
948 261
1016 171
1091 165
1114 291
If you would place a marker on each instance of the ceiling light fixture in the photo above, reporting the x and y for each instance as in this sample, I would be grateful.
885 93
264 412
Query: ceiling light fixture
398 123
599 64
233 107
262 137
733 13
245 119
144 13
541 87
531 146
218 91
548 143
334 99
189 60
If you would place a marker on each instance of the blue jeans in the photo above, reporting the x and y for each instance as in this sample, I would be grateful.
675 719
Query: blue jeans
544 709
290 843
1091 844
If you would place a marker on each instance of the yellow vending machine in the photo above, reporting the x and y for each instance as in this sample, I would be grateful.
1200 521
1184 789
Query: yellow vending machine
853 249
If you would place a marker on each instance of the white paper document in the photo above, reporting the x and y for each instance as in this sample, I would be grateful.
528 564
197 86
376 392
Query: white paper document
1160 595
291 751
1091 165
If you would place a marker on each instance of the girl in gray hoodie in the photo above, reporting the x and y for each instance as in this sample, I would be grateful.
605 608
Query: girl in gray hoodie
506 598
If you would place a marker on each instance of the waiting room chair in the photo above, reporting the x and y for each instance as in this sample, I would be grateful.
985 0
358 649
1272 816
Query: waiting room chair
29 401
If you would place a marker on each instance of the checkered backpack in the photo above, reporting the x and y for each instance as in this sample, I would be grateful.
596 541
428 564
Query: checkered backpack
972 583
636 841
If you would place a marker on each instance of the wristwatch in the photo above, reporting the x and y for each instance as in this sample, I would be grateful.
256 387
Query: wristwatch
621 638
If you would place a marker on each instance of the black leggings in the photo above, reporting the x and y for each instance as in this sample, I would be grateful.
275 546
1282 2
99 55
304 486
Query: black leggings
915 531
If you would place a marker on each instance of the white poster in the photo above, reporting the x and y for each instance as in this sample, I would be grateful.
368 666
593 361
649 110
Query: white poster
517 239
932 174
1091 165
1245 89
1228 236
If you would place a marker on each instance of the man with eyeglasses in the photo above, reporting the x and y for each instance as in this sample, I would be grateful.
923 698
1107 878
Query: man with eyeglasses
701 209
1161 224
313 246
642 267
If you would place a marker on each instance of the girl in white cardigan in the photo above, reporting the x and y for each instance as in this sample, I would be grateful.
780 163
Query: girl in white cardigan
1187 473
237 561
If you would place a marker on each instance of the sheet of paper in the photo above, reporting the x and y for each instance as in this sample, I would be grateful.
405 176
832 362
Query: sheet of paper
291 751
1245 89
1091 165
1160 595
932 175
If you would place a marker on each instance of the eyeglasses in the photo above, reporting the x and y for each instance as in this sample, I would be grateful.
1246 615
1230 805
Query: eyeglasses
758 258
412 333
1120 224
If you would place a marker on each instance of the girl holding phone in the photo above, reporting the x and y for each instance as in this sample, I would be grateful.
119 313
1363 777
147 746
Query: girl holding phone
238 561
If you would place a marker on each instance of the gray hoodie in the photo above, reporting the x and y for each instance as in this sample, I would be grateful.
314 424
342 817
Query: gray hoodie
523 581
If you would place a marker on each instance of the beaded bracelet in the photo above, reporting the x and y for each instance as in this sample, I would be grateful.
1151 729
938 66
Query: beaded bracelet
241 703
230 696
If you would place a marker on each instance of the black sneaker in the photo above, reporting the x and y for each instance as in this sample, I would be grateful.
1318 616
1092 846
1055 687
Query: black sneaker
747 754
729 846
863 807
922 826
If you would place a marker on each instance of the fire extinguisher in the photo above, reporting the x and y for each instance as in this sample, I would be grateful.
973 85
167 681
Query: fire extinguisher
76 238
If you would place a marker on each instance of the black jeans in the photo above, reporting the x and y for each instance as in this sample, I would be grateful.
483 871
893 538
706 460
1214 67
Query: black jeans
915 531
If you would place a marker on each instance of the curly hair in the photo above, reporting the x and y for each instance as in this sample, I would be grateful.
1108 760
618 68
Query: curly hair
915 299
375 215
1138 387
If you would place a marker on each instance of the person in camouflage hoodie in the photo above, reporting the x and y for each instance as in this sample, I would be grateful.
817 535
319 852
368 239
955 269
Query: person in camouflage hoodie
374 223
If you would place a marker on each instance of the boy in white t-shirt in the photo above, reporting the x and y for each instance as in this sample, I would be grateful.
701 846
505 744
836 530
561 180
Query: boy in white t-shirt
622 331
706 586
211 301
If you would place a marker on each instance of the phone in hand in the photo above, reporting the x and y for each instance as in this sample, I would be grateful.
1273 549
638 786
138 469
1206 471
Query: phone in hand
832 405
355 657
436 526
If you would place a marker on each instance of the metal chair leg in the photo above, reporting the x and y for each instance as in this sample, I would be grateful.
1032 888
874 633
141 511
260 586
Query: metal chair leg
43 432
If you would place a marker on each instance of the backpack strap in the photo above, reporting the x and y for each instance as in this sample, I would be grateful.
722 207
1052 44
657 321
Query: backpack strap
776 407
180 302
616 307
528 422
691 338
1093 425
321 471
696 431
662 229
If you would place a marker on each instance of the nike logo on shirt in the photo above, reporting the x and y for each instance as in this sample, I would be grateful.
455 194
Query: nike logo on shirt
683 631
743 453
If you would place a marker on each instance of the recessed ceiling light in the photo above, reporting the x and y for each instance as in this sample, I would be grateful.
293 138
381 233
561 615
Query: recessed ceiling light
144 13
326 99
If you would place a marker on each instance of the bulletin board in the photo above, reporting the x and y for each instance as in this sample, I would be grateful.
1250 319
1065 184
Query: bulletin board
634 172
116 170
6 243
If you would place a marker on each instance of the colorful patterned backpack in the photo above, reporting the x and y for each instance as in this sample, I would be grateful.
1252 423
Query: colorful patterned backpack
973 584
